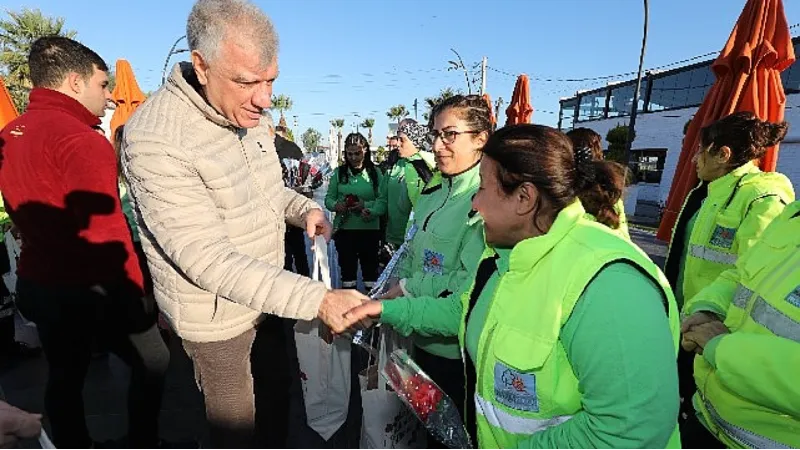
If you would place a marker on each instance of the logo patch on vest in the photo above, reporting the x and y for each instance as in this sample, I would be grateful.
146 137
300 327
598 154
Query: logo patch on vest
433 262
794 297
514 389
723 237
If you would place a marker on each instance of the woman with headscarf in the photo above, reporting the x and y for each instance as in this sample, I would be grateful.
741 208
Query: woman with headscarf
406 178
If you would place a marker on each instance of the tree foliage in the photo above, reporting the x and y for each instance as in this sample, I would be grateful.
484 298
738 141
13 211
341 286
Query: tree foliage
17 32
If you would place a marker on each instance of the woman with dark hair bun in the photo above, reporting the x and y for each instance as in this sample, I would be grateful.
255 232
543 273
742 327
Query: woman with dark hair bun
588 147
721 219
557 355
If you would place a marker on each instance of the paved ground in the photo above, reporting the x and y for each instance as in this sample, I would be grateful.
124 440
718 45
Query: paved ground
182 417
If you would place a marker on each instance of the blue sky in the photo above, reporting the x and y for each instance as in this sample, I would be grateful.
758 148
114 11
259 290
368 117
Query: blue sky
340 57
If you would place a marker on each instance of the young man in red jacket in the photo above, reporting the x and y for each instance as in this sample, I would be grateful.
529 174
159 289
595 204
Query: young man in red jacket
78 275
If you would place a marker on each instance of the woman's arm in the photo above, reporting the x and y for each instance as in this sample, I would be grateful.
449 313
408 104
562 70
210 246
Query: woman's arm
621 349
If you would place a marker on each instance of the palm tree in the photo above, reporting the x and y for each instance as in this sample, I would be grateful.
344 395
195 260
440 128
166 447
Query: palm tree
282 103
444 94
338 124
397 113
17 33
368 124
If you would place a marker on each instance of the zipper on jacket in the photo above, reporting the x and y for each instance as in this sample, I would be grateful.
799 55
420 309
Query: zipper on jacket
740 435
446 198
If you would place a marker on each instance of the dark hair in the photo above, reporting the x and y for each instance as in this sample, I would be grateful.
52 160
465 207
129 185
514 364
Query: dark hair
746 136
686 126
544 157
358 139
586 140
118 136
52 58
473 109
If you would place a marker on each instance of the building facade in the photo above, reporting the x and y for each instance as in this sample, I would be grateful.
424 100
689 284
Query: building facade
667 101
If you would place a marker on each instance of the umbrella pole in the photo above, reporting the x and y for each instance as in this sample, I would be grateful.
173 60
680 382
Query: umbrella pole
635 106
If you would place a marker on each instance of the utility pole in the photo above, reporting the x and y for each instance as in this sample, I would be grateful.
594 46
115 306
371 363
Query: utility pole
295 121
484 62
497 105
415 109
635 106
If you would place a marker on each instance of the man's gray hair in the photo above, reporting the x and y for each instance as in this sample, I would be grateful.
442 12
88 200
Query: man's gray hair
212 21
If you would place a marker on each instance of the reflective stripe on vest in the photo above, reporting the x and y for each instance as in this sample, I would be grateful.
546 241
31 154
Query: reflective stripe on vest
745 438
708 254
741 296
775 321
767 315
510 423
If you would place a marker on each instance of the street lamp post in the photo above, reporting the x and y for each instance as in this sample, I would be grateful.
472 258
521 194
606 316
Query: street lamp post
172 51
635 106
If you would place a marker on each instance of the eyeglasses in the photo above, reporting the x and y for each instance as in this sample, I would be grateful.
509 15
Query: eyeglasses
449 136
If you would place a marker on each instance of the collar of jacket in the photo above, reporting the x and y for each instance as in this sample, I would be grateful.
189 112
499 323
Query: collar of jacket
528 252
727 182
183 82
464 182
43 99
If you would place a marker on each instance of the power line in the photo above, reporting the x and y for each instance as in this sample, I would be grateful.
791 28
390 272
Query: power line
615 76
606 77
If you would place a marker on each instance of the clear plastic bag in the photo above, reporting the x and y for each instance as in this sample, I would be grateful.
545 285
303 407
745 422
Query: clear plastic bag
437 412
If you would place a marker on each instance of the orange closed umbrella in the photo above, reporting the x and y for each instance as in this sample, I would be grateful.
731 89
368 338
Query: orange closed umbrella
520 109
747 79
7 110
126 95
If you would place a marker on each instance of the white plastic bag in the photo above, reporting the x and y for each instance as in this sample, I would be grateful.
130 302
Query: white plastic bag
386 422
324 368
25 330
13 249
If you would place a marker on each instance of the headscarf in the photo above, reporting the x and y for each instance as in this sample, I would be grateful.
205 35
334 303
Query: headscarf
416 133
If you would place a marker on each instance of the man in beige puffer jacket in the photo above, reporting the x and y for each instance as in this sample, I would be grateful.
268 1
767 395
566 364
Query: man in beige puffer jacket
200 160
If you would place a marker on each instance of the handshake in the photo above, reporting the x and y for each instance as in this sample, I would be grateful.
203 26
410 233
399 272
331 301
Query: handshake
347 310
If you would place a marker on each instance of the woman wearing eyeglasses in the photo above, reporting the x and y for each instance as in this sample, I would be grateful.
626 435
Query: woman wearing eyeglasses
354 194
557 354
447 246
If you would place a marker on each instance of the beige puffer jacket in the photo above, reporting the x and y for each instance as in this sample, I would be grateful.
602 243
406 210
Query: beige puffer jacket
211 207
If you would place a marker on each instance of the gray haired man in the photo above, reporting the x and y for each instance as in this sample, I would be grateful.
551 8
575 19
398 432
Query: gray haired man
200 159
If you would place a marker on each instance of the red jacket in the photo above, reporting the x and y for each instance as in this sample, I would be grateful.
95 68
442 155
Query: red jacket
58 176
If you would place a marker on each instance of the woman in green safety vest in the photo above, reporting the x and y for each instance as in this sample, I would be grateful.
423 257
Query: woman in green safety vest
569 332
447 246
588 144
406 178
722 218
745 328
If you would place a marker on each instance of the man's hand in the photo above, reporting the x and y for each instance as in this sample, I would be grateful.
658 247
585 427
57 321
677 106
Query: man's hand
366 214
335 304
17 424
698 318
317 224
698 336
340 207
